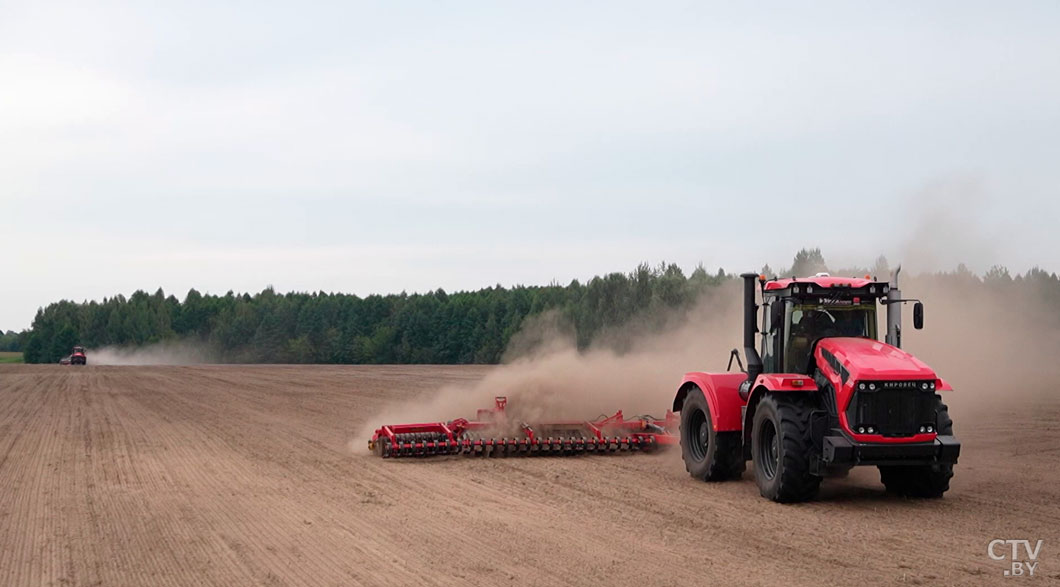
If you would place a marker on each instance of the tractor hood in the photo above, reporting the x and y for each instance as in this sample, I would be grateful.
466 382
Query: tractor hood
868 359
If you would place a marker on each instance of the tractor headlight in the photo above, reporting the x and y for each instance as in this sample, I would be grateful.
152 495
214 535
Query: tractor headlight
872 387
932 385
923 429
861 386
861 430
924 386
930 428
809 289
872 289
795 289
870 430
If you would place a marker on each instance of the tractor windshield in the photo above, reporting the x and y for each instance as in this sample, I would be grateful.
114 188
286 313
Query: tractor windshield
807 323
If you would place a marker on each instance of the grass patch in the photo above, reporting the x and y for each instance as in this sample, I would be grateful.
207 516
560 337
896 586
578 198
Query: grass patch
8 357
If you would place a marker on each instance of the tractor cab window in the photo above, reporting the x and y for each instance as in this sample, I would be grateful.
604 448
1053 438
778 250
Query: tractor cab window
772 318
808 323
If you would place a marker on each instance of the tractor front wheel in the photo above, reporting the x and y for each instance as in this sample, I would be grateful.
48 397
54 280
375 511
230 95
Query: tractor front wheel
708 454
781 446
929 481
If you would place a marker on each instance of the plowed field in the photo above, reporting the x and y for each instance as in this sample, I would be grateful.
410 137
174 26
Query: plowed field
242 475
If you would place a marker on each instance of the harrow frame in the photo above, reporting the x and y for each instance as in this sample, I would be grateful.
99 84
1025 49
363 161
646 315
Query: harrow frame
465 437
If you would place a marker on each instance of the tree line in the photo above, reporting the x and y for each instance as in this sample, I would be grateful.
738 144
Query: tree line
10 341
435 327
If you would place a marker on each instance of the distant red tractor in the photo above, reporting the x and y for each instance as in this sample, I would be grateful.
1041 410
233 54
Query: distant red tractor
78 356
821 396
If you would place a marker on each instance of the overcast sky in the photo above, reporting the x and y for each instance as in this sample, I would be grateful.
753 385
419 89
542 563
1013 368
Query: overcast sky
381 147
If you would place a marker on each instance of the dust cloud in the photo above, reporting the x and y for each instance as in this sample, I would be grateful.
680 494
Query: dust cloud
548 377
948 227
997 347
162 353
996 341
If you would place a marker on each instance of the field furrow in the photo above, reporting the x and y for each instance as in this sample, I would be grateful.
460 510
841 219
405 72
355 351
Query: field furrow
230 475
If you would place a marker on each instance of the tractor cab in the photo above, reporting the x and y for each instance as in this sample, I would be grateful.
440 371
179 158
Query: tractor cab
800 312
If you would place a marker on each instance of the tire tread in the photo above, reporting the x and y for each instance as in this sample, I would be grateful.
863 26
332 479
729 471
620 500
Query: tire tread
796 483
724 460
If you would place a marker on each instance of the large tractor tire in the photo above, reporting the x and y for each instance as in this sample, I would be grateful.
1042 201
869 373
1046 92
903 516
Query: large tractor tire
929 481
781 446
708 454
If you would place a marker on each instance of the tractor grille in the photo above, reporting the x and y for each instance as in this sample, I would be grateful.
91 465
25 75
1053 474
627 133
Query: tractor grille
893 408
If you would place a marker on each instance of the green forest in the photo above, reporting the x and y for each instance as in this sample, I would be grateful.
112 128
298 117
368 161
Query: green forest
435 327
11 341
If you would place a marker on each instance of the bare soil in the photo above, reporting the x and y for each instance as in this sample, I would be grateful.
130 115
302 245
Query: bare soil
228 475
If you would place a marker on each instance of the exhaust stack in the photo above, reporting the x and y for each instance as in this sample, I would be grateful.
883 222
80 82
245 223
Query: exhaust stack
750 316
894 312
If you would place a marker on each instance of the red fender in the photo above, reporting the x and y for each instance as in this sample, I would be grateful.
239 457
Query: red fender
722 391
783 382
792 382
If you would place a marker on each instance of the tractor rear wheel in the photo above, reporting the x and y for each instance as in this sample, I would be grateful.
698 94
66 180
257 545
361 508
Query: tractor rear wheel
929 481
708 454
781 446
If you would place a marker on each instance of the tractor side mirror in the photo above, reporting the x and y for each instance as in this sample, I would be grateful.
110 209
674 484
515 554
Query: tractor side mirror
918 315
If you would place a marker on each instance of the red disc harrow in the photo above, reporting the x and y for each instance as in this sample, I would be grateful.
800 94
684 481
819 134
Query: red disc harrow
492 433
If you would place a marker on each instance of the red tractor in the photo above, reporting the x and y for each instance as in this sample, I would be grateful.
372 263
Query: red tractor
78 356
821 396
